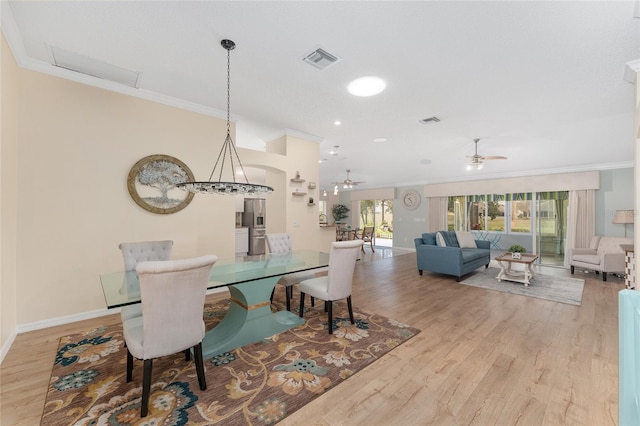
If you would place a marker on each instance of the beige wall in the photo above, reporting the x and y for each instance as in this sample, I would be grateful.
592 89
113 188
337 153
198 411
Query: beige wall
76 145
9 84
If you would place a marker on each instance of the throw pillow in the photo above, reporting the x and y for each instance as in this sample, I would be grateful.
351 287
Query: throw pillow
440 240
466 239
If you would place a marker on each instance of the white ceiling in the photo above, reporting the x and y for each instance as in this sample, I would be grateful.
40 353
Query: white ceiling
541 82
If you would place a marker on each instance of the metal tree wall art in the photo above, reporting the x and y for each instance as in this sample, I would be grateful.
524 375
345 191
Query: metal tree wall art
152 181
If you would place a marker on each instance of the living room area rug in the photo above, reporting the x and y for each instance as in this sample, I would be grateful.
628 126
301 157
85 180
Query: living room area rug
559 289
257 384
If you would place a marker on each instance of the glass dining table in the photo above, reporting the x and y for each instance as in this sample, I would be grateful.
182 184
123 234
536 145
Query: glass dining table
250 280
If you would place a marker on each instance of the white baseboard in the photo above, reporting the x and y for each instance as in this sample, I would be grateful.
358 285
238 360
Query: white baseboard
7 346
38 325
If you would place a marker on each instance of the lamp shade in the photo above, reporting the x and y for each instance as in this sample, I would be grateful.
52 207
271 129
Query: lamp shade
623 216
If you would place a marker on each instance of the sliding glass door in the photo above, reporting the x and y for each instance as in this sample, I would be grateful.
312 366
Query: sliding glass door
551 226
379 214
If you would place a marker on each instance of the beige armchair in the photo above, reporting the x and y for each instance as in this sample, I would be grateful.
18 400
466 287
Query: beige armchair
604 254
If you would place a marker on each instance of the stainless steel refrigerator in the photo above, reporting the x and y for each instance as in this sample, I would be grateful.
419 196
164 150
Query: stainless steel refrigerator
254 218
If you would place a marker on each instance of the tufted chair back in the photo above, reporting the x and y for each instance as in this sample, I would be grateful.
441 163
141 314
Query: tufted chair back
145 251
172 294
342 262
279 243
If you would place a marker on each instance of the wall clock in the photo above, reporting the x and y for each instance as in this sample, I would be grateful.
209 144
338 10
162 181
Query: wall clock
411 199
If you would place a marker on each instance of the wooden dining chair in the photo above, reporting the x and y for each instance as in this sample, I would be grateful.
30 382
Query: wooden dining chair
172 296
367 236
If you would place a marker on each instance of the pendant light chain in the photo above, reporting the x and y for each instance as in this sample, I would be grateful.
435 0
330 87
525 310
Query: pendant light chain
220 187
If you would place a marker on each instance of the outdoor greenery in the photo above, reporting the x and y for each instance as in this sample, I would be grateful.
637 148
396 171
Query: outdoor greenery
368 209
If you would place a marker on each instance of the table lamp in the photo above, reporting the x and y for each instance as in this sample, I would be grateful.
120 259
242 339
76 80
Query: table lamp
624 217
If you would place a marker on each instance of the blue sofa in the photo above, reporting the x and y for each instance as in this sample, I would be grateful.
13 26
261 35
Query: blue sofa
450 260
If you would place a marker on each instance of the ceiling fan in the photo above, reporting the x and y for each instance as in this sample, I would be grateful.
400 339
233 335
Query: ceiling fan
347 183
476 161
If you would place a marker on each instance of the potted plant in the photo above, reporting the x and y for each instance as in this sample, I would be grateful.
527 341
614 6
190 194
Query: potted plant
339 212
516 251
517 248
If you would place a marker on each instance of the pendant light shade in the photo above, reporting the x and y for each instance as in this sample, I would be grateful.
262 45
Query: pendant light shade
227 156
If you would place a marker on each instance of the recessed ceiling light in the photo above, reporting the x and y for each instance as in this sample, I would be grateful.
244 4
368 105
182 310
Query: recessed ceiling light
380 139
425 161
366 86
337 122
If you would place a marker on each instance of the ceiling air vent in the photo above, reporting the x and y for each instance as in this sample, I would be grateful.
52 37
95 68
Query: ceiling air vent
433 119
321 59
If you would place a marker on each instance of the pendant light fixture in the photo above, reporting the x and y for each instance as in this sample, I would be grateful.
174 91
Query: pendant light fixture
228 154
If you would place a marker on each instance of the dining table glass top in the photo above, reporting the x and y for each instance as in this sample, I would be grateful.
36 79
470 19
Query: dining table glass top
123 288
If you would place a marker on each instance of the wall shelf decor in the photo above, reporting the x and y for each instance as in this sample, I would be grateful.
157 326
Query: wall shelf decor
297 180
299 193
311 185
152 184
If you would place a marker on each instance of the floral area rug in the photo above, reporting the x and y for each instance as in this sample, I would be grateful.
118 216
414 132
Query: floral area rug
258 384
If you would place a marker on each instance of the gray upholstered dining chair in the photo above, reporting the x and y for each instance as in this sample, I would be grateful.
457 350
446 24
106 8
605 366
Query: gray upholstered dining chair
281 244
141 251
338 283
173 294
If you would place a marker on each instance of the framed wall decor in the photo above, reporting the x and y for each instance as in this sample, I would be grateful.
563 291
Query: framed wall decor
152 184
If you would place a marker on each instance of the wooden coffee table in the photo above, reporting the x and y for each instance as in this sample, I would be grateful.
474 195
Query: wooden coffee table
508 274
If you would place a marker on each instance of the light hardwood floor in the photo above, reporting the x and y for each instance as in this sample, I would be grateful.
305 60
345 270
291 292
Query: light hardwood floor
482 358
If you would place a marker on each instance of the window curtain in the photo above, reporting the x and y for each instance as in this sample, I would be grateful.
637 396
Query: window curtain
581 221
437 214
515 196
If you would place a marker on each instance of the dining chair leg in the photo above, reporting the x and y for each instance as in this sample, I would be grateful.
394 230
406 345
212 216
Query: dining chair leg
329 305
197 355
313 301
302 305
146 387
129 366
326 306
288 292
272 293
350 309
187 354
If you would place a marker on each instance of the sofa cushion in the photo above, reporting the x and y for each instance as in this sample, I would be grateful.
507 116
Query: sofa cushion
450 238
440 240
469 255
466 239
592 259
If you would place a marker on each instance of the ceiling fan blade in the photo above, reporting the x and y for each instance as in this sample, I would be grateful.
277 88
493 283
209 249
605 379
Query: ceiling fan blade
494 157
